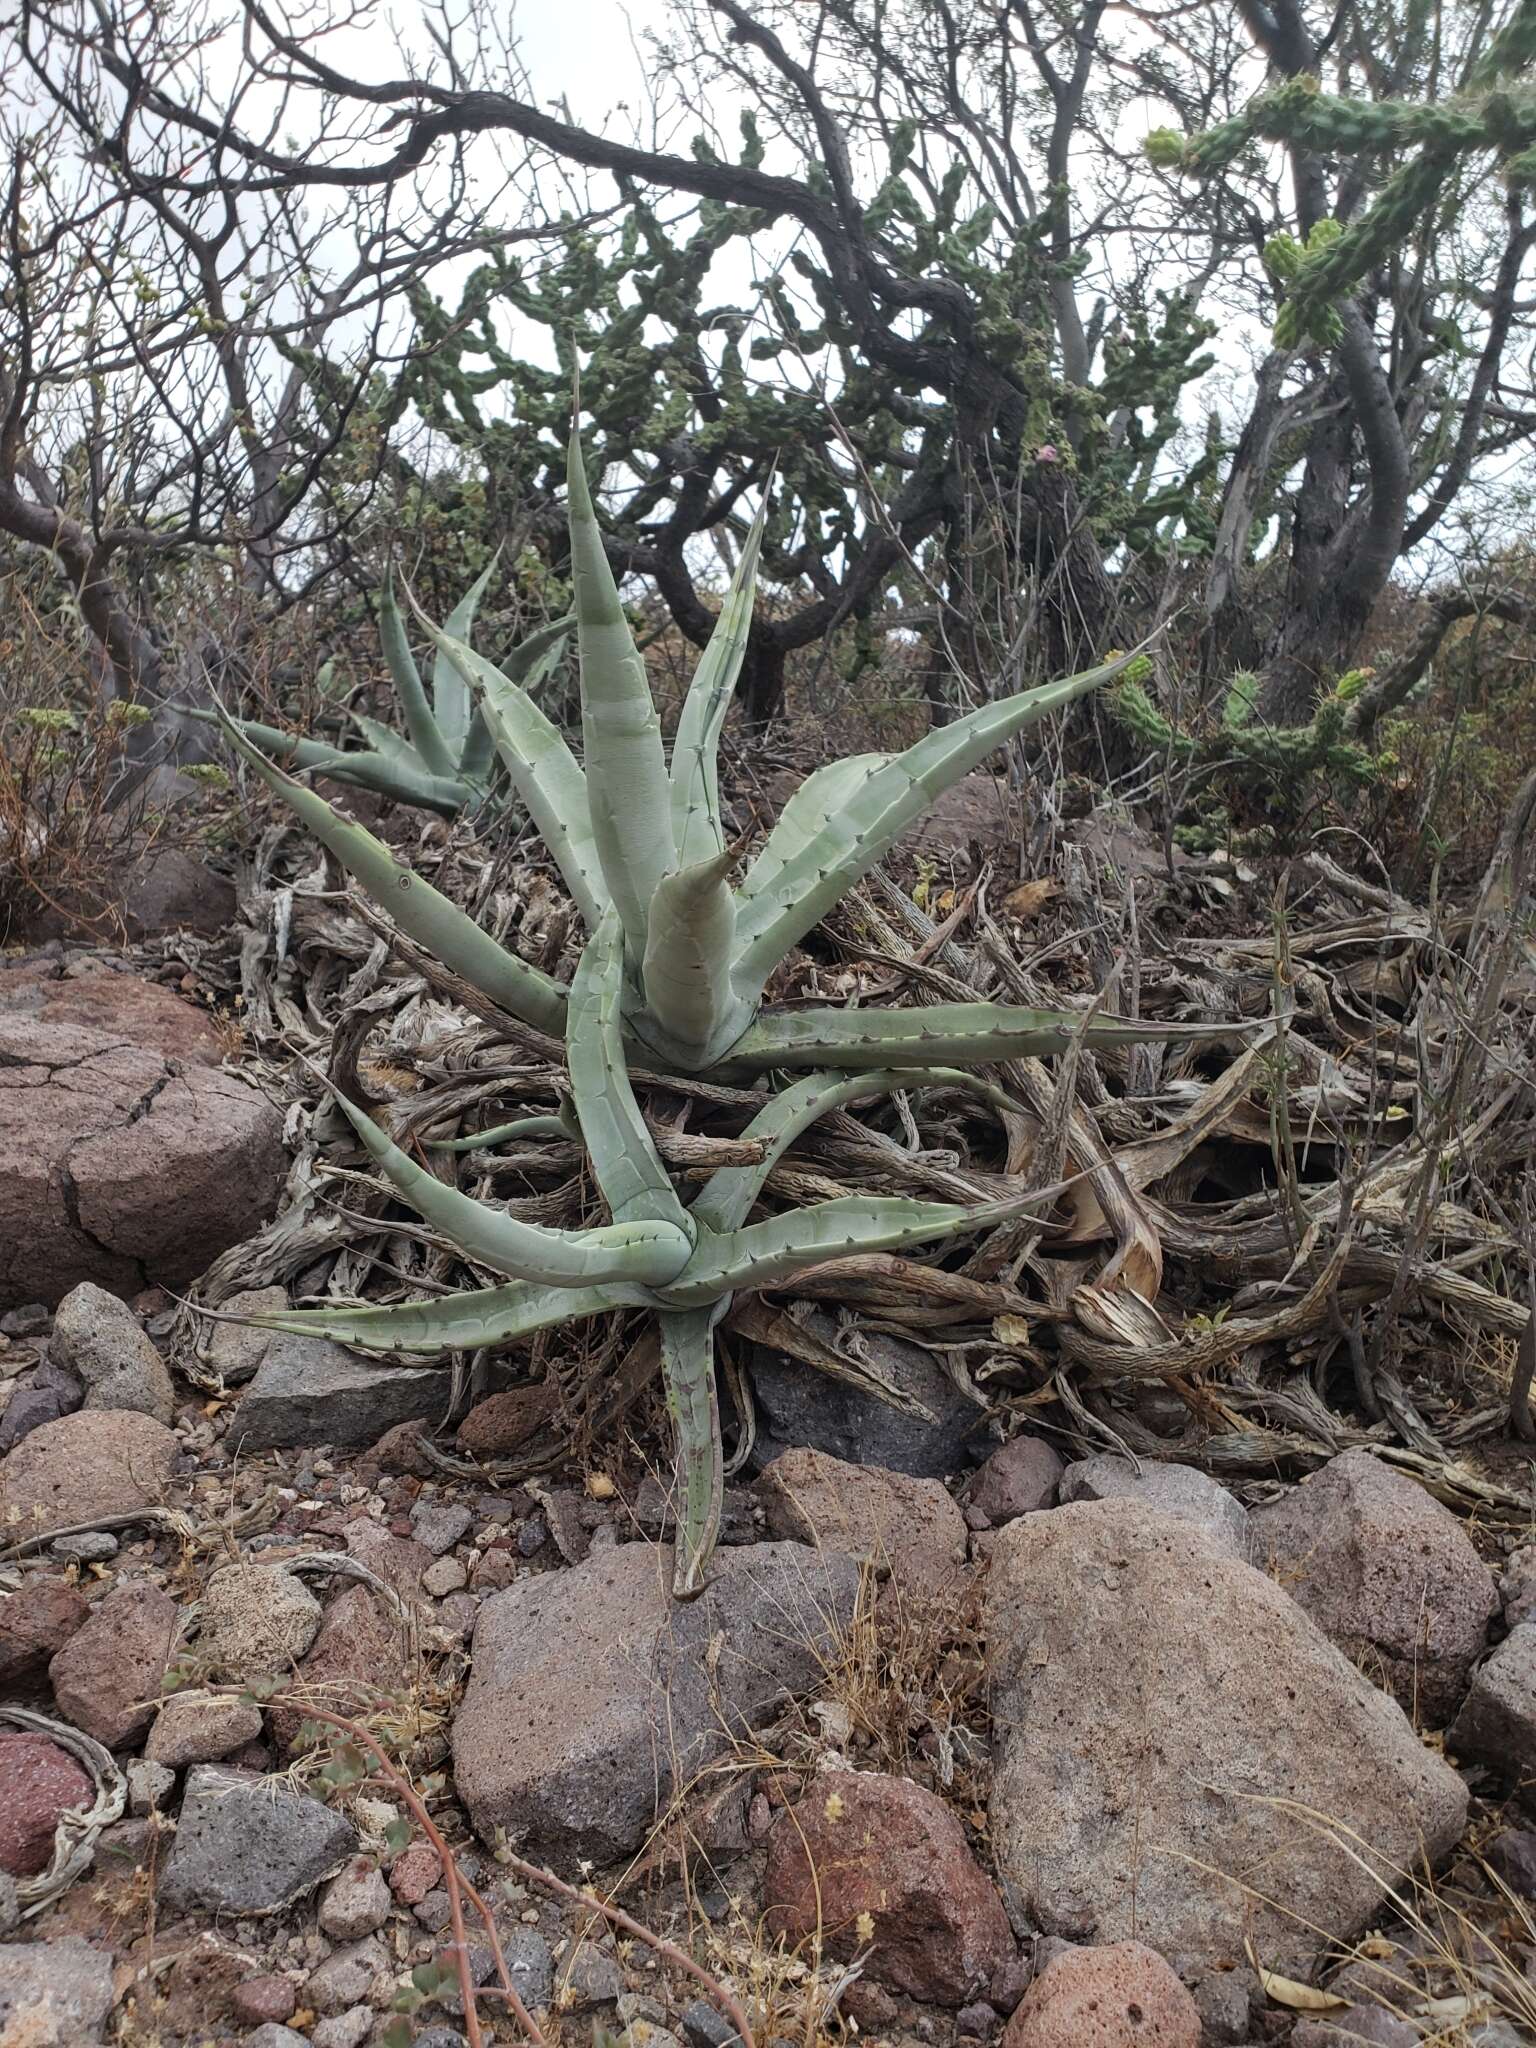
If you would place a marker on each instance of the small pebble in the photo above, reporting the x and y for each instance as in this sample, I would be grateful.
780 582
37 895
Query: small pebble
444 1577
704 2027
348 2029
434 1911
149 1786
439 1524
30 1320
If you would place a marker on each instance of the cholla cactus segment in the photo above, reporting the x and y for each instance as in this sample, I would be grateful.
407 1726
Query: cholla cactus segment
1164 148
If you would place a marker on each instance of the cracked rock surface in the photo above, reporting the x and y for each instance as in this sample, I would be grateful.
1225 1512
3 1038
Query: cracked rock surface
132 1158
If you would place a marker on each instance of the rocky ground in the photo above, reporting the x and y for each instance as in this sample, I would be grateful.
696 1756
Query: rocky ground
966 1740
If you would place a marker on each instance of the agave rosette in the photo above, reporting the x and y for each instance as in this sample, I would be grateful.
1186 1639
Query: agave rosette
686 1264
639 834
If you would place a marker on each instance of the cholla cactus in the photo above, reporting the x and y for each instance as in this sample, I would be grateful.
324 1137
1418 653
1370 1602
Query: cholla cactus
1496 114
641 836
685 1264
447 761
1281 759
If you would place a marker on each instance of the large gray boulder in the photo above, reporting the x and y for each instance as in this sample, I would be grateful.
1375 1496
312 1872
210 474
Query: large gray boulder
1181 1756
592 1692
1388 1574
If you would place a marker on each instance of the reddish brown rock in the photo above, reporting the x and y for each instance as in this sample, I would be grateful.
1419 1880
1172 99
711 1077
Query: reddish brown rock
39 1784
204 1986
361 1654
35 1624
399 1451
1124 1996
156 888
907 1527
130 1157
262 2001
863 1844
107 1678
398 1560
1388 1574
1020 1479
499 1424
496 1571
414 1872
85 1466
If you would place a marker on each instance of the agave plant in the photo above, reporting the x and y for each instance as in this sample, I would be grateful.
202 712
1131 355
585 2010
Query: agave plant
639 835
685 1264
447 762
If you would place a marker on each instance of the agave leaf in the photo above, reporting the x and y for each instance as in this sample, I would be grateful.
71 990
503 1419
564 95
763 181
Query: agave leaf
793 884
450 698
530 664
419 720
819 799
422 791
628 793
455 1322
393 768
691 1011
634 1182
688 1375
696 826
286 747
761 1254
564 1124
947 1033
544 772
726 1199
415 905
639 1252
389 745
